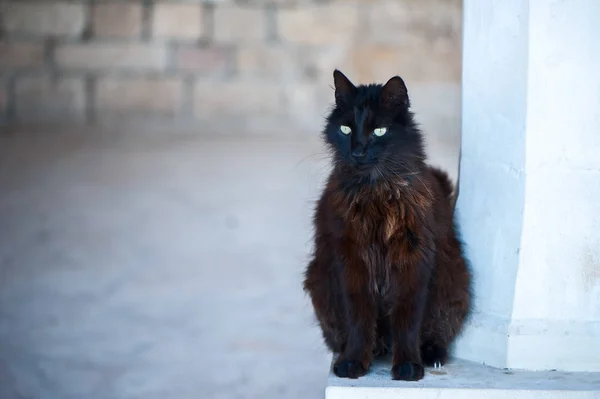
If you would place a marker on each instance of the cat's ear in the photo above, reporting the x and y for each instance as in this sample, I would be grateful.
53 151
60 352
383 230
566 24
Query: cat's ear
394 93
344 89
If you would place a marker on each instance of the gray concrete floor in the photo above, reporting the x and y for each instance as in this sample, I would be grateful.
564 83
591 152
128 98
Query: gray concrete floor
152 265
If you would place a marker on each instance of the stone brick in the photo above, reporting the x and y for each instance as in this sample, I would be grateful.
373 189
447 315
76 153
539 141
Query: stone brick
302 63
267 61
3 98
236 24
103 56
117 20
43 18
410 23
377 63
182 21
320 24
203 60
307 103
21 55
278 3
318 62
236 98
134 96
49 98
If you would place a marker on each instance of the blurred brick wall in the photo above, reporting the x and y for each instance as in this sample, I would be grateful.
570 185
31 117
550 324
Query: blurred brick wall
265 60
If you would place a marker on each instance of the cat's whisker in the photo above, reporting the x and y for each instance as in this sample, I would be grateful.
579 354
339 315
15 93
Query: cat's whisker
380 173
413 173
400 163
426 188
406 171
322 156
395 173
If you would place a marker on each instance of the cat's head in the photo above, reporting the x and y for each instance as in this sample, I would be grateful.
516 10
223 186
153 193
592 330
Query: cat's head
371 129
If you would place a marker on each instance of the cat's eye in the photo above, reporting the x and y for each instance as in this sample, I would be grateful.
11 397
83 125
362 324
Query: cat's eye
380 131
345 129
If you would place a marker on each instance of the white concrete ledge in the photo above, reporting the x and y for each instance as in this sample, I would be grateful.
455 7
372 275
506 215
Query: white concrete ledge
466 380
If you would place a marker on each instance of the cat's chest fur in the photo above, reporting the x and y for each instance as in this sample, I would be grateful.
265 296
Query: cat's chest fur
380 224
374 218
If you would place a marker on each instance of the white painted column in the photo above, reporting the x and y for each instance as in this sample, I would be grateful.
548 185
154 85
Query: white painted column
529 200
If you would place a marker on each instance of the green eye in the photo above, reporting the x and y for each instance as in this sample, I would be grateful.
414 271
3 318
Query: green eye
380 131
345 129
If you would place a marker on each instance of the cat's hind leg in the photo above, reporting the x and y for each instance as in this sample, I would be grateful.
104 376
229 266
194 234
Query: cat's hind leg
323 289
448 307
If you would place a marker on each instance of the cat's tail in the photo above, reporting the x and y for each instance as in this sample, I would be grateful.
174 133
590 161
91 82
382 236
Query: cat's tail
444 182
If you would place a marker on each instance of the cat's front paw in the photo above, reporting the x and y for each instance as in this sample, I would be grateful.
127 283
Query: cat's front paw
349 369
408 371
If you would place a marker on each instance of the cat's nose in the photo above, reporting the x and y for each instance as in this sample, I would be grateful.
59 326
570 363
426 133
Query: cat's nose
358 154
